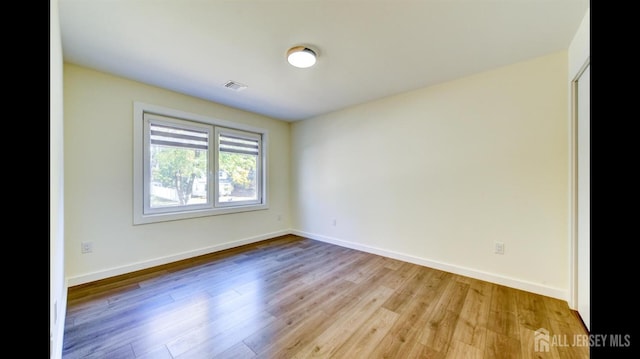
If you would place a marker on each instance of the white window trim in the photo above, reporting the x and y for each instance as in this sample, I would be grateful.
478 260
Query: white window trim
139 217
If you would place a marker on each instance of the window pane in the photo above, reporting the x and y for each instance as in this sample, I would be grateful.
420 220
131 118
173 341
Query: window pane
237 177
179 166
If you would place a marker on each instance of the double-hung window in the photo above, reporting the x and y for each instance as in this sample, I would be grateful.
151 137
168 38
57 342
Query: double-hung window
187 165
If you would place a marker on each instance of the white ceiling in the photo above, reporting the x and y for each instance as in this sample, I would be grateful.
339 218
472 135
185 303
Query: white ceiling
368 49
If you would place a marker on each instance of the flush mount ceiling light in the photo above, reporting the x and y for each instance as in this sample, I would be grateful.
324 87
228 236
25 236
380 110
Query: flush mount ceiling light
301 56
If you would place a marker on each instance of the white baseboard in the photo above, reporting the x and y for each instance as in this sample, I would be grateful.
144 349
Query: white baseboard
553 292
558 293
94 276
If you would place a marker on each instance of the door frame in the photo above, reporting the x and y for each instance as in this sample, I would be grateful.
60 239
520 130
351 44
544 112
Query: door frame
573 295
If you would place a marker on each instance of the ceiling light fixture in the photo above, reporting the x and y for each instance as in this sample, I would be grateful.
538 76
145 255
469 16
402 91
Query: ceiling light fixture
301 56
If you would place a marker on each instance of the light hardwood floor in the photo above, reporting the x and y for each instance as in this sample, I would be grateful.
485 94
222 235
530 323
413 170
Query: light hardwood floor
292 297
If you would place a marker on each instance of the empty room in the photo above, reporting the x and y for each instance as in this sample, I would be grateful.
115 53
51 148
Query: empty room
320 179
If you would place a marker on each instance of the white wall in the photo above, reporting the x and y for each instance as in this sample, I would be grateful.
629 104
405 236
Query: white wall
580 47
57 287
436 175
98 150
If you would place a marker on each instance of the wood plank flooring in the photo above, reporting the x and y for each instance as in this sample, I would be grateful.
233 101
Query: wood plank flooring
292 297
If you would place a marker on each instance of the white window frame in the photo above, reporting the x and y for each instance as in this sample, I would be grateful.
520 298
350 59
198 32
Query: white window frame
149 118
142 214
242 134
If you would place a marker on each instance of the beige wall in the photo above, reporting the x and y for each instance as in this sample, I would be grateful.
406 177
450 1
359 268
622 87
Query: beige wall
98 155
433 176
436 175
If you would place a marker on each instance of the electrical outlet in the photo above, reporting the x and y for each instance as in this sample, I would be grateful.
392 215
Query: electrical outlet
335 222
279 217
499 248
86 247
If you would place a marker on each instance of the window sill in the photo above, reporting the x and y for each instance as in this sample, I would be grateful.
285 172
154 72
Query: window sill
164 217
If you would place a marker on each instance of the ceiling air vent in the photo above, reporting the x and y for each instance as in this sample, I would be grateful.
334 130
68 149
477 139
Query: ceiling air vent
235 86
